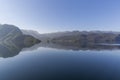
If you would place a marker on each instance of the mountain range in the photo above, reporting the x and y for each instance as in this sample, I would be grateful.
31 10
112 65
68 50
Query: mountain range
77 36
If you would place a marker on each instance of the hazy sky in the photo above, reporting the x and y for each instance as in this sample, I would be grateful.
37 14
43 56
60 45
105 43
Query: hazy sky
61 15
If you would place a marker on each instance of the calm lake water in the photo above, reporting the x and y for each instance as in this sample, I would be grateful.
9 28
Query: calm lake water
45 63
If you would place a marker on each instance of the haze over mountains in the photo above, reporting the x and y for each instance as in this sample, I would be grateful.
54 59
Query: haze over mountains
65 33
77 36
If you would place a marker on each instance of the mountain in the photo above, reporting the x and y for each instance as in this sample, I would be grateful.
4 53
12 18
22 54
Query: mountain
31 32
12 40
78 37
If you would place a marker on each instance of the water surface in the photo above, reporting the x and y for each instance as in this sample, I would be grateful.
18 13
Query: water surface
61 63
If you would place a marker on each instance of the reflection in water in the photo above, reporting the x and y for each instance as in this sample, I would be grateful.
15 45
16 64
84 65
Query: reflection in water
10 49
13 47
76 47
51 64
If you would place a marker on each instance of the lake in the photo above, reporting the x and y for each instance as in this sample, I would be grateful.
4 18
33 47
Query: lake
44 62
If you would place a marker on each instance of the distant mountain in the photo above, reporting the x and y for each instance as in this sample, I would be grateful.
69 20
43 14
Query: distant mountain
77 36
65 33
31 32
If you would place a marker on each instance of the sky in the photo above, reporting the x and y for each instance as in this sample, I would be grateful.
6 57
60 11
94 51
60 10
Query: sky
47 16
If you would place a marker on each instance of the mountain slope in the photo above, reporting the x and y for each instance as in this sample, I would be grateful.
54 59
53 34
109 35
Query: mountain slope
12 40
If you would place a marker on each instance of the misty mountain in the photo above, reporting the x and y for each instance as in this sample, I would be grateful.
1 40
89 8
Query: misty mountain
77 36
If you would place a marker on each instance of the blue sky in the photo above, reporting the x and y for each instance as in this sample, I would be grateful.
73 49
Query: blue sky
61 15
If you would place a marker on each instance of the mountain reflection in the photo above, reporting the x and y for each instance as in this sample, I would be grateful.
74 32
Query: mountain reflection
76 47
12 48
